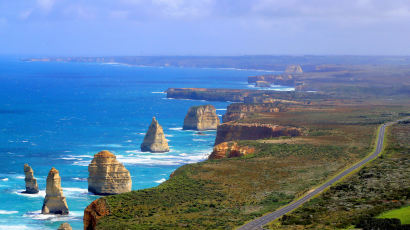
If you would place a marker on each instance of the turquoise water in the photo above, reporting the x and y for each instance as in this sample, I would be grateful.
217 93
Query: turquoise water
60 114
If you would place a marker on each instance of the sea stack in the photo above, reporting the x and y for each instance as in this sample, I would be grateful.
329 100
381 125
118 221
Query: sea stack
154 140
201 118
54 202
295 69
31 182
107 176
65 226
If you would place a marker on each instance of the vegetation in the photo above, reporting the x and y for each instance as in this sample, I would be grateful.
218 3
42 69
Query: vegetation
403 214
381 186
225 193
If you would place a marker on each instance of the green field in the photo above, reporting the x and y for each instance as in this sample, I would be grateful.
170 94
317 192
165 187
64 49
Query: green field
403 214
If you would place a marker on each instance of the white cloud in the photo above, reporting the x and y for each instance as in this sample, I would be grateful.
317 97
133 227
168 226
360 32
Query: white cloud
25 14
46 5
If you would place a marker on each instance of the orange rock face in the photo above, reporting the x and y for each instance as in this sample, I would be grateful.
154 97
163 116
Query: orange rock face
232 131
96 210
230 149
238 111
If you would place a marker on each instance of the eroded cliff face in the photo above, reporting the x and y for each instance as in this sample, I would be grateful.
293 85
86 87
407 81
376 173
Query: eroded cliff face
266 80
107 176
232 131
154 140
230 149
95 211
31 182
54 202
201 118
295 69
238 111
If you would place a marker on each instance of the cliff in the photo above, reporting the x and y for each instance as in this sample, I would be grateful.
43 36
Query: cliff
238 95
279 79
154 140
296 69
107 176
95 211
235 95
54 202
230 149
238 111
201 118
231 131
31 182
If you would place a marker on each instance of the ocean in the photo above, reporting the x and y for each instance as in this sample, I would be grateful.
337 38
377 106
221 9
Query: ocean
58 114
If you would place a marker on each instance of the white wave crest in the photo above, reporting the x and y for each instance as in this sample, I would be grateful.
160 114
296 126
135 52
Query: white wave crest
160 181
5 212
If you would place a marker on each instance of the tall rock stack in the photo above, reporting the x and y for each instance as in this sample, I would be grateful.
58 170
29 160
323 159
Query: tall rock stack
201 118
107 176
31 182
154 140
54 202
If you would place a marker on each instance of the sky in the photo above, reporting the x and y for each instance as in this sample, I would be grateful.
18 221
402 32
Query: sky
204 27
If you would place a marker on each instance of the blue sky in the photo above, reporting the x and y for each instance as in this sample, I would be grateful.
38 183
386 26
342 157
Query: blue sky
204 27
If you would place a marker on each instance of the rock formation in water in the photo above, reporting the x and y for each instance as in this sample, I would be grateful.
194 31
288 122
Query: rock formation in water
54 202
201 118
107 176
31 182
294 69
96 210
154 140
238 111
65 226
232 131
230 149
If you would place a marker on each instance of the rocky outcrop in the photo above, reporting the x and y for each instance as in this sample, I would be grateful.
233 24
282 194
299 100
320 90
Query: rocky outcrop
65 226
231 131
230 149
297 69
238 95
154 140
201 118
31 182
263 84
107 176
280 79
234 95
238 111
95 211
54 202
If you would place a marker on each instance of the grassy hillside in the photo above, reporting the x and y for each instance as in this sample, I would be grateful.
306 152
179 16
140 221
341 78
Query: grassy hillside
382 185
223 194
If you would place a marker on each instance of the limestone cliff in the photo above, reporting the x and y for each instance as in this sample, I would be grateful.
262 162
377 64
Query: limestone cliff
107 176
238 111
96 210
231 131
230 149
263 84
294 69
154 140
201 118
31 182
65 226
279 79
54 202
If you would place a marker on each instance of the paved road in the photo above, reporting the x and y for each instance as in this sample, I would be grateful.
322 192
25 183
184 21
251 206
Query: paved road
262 221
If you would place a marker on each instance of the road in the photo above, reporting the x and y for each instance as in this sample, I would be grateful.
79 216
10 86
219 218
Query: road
262 221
